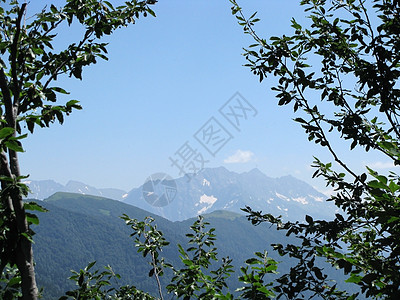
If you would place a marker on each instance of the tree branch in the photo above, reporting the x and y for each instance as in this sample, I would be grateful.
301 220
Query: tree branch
14 55
55 73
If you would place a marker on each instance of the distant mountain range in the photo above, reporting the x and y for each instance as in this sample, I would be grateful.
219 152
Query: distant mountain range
42 189
210 190
220 189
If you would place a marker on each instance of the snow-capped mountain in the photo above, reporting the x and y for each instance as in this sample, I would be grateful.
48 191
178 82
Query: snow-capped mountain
217 188
42 189
211 189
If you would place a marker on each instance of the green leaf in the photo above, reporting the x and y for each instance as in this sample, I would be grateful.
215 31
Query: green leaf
252 261
28 237
271 268
13 145
354 278
32 219
53 9
187 262
377 185
73 104
59 90
90 265
34 206
108 4
393 186
80 280
5 132
14 281
369 278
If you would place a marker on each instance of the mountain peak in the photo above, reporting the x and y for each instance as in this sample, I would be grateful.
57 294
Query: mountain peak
217 169
256 171
221 171
221 189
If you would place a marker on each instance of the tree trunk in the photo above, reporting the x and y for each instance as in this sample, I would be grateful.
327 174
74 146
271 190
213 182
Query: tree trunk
25 265
23 252
19 246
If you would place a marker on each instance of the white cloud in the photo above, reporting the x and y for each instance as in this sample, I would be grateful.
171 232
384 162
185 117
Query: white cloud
380 165
239 157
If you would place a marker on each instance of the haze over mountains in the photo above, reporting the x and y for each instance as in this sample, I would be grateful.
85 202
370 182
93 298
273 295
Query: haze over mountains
210 190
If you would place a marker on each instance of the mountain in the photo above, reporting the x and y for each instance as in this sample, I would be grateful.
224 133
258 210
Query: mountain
211 189
219 189
79 229
42 189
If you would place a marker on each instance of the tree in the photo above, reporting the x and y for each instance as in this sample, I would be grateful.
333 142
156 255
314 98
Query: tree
341 74
197 278
29 68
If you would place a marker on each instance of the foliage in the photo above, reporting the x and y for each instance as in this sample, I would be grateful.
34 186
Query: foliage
29 67
254 277
10 283
197 279
96 285
348 58
75 231
191 281
153 243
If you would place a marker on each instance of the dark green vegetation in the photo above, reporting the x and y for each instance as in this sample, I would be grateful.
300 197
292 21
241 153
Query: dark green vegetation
348 57
79 229
340 72
29 98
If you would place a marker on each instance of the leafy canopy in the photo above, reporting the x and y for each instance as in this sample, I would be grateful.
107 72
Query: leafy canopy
30 66
341 74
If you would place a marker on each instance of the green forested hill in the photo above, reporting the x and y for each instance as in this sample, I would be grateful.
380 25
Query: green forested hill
79 229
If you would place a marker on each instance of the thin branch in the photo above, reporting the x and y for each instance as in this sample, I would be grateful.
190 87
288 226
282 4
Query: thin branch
307 107
379 64
156 272
55 73
322 132
53 26
14 55
352 112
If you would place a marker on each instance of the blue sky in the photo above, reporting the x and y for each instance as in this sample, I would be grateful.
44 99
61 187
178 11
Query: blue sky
165 78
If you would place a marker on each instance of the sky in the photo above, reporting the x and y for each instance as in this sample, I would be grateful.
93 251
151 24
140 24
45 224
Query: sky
168 81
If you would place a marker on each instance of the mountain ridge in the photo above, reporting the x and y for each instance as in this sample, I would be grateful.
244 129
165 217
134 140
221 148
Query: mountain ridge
219 188
209 190
42 189
79 229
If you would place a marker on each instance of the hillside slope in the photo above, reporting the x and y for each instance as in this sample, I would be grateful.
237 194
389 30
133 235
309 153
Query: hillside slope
79 229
